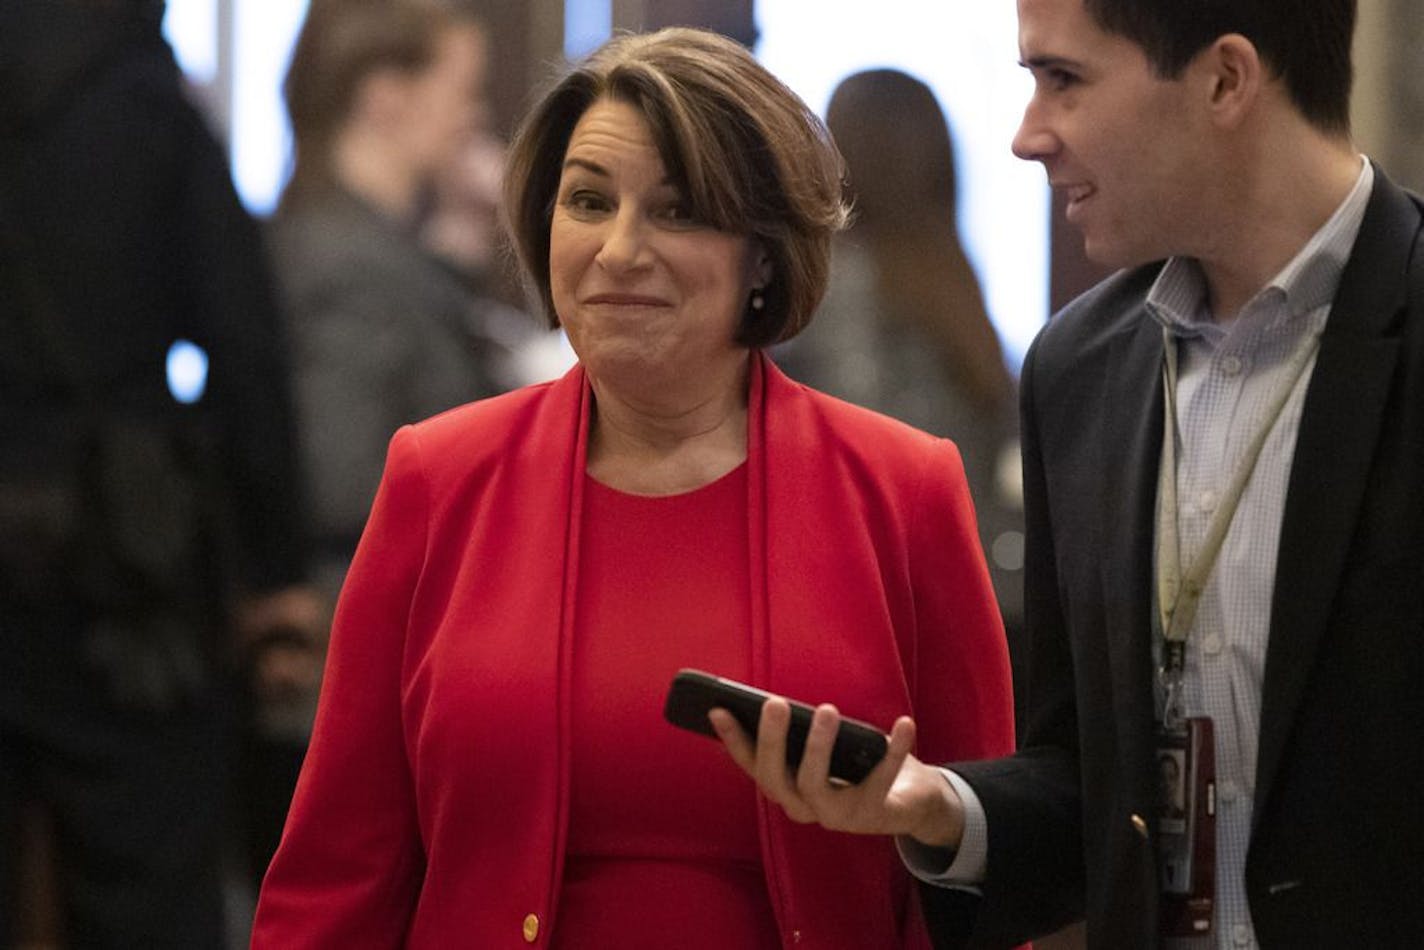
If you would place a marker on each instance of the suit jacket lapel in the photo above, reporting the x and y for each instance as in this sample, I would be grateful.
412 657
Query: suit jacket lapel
1344 407
1132 446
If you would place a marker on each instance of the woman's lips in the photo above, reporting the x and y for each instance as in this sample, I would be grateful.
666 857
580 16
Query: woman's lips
624 300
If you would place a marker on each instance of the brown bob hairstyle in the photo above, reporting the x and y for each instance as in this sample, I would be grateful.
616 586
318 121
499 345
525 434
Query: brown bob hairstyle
745 152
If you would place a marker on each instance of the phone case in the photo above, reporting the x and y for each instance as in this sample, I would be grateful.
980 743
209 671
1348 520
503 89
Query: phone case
858 747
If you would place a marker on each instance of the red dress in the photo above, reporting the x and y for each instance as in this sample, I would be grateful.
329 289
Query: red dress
662 825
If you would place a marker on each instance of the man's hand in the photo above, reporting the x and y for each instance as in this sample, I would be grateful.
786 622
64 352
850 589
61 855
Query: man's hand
901 796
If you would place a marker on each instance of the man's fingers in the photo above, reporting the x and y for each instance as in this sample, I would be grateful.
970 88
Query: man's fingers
739 744
813 777
771 769
775 778
875 787
810 794
902 743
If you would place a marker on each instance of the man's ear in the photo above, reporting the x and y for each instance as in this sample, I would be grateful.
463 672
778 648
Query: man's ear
1235 76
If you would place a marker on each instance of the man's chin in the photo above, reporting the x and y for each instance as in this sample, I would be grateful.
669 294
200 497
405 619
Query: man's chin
1113 255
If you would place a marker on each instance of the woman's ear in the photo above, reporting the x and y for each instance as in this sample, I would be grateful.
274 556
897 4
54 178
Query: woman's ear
762 268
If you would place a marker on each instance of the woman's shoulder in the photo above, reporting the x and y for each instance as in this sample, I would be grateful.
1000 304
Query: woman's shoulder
485 424
819 435
845 423
814 439
525 423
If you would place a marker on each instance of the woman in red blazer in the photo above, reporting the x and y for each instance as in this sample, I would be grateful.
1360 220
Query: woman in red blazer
489 765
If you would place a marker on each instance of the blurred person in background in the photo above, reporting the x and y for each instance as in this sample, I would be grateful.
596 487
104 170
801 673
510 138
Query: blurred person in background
383 96
460 226
145 543
903 329
461 222
490 765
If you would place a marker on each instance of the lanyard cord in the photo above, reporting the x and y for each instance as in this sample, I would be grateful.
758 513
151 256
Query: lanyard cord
1178 594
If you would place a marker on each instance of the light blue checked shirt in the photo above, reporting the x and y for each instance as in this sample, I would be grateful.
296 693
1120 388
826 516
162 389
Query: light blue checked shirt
1227 373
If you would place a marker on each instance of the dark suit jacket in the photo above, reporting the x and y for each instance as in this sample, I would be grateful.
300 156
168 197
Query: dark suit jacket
1337 850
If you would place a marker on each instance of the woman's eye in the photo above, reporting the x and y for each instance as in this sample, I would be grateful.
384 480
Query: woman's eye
1061 78
585 201
680 213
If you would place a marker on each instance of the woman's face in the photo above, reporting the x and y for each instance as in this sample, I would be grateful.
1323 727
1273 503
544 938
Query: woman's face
650 297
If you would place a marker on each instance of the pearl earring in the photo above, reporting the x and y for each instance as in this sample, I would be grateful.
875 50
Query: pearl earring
758 301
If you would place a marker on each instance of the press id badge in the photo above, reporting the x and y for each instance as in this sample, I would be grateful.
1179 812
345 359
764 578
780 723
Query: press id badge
1186 827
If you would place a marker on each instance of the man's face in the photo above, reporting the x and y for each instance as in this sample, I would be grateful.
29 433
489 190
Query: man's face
1127 149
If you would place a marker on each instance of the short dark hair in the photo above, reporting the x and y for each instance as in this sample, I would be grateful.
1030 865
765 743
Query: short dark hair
1306 42
748 155
339 46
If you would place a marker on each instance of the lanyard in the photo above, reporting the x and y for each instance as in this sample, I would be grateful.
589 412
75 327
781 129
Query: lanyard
1178 594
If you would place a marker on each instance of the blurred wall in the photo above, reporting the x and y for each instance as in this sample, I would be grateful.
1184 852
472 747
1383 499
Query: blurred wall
734 18
1389 87
527 47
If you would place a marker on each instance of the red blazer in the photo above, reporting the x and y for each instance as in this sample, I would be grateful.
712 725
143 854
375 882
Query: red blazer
432 808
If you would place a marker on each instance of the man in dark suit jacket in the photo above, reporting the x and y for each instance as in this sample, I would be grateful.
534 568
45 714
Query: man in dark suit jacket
1206 150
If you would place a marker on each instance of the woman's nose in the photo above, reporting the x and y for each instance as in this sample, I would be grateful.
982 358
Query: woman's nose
625 244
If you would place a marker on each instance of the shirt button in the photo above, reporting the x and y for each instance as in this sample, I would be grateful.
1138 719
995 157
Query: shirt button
1212 644
1229 791
1241 935
1231 365
1206 502
531 928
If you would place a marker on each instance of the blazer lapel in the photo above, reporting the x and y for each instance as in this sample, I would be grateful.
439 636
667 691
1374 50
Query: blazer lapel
1132 446
1344 407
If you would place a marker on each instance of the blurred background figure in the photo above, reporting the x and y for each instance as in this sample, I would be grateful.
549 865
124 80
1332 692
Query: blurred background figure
903 329
386 101
461 223
383 96
460 226
148 506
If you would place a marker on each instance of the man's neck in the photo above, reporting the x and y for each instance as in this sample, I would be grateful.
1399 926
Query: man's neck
1276 207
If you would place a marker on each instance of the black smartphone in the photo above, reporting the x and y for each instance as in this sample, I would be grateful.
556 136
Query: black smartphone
858 748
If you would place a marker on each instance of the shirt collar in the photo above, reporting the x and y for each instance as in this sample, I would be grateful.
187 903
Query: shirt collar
1177 299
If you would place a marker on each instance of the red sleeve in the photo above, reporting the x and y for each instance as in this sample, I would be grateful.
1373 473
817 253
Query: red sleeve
348 870
962 691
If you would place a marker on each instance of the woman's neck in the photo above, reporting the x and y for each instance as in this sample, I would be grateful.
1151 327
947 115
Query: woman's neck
667 447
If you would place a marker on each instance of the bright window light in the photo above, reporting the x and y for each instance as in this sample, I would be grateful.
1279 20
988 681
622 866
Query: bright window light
263 35
587 23
191 27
